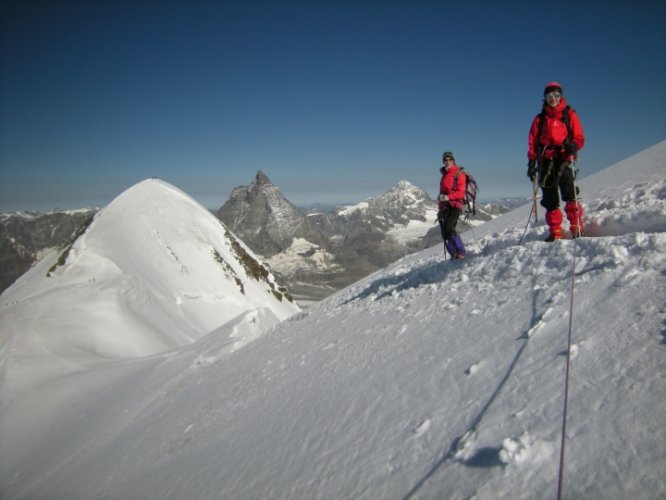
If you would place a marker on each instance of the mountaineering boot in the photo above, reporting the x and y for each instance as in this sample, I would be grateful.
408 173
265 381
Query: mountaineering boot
574 211
459 247
554 221
450 246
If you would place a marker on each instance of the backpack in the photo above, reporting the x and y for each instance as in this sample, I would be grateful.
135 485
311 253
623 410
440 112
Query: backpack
470 192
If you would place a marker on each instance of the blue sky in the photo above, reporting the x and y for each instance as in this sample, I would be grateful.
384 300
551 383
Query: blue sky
335 101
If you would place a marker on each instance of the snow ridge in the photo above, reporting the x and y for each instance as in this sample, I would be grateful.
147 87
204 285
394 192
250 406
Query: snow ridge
154 271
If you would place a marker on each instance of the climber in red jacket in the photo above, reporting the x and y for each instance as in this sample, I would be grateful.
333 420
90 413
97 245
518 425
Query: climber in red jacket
555 137
452 188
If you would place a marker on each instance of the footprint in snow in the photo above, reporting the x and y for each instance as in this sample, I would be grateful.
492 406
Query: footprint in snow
535 329
202 361
422 428
515 450
573 351
473 369
540 323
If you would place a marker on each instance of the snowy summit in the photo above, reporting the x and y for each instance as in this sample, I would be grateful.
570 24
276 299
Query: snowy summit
428 379
154 271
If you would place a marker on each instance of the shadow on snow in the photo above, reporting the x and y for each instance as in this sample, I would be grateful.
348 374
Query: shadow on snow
427 274
484 457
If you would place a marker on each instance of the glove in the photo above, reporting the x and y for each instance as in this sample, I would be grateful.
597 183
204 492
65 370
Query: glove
570 148
531 170
443 197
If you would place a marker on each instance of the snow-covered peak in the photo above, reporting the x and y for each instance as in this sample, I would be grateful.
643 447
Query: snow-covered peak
404 185
404 195
153 271
347 210
402 201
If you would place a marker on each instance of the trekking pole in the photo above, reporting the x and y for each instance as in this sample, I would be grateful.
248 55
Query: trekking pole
533 210
529 219
535 189
439 221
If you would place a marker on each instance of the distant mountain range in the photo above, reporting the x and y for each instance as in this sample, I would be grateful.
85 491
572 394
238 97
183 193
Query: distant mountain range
314 252
25 237
317 253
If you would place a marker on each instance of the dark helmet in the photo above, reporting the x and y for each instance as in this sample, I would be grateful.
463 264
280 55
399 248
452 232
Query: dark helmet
447 154
553 87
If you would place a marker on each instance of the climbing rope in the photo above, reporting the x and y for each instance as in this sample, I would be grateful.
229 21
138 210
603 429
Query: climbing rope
467 221
566 380
560 479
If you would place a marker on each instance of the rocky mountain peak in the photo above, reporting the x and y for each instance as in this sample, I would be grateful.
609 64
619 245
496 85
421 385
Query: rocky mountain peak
264 219
261 179
402 202
407 190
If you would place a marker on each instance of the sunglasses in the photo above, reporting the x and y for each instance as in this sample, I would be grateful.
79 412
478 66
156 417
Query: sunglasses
553 95
448 159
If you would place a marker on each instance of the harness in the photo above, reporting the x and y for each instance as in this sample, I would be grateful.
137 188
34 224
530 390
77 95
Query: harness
546 172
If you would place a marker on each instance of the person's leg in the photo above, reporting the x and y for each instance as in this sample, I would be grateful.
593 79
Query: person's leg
572 208
459 247
554 221
448 223
550 200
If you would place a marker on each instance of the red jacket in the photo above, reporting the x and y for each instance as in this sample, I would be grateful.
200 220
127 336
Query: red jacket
446 187
554 131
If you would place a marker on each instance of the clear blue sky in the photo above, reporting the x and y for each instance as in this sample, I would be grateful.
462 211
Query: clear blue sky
335 101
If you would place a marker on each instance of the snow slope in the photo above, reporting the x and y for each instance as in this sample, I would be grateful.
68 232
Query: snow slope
428 379
153 272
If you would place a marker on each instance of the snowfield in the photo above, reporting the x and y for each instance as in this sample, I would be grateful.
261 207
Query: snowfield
429 379
290 260
415 229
